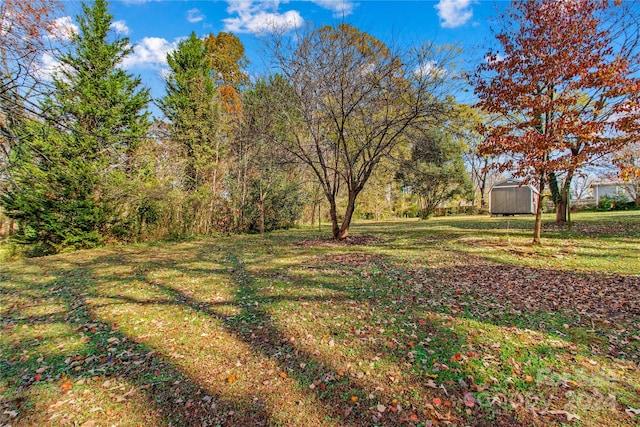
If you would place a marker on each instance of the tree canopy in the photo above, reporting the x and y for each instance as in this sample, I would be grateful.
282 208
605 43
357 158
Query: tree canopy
356 98
93 121
562 86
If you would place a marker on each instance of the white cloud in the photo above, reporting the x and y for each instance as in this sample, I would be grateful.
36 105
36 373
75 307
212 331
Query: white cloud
495 58
454 13
63 29
120 27
340 8
150 52
429 70
259 17
194 15
49 66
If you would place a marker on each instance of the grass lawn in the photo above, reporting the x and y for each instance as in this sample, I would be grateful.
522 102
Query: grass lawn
456 321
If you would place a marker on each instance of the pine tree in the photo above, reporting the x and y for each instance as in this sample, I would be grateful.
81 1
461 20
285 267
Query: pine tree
93 122
192 109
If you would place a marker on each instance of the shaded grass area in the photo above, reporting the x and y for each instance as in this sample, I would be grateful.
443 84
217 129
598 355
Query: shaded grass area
452 320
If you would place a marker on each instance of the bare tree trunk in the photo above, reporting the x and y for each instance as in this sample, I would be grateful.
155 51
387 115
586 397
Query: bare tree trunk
483 187
335 228
563 204
537 228
313 213
261 216
561 209
348 215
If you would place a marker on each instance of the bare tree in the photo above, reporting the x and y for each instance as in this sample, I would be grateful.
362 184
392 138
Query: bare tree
25 28
356 99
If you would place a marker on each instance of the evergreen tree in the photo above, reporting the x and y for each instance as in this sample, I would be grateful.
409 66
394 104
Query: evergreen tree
191 106
94 121
436 171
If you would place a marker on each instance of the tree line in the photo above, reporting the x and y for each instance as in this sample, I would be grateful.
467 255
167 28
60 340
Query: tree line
345 122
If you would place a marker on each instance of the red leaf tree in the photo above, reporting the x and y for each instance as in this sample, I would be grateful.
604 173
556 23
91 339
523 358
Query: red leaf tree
563 84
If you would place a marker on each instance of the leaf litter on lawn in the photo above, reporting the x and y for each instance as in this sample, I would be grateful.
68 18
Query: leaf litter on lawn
489 342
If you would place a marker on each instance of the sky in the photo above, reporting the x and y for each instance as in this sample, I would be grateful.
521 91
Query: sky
155 27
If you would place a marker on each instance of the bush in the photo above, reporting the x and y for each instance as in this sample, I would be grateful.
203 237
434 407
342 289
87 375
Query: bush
604 204
616 203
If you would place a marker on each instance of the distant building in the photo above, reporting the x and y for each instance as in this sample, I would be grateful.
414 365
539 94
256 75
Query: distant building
612 189
511 197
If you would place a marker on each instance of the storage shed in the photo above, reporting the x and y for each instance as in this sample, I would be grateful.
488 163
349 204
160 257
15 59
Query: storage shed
511 197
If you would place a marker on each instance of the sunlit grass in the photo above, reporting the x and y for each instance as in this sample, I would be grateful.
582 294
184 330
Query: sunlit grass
292 329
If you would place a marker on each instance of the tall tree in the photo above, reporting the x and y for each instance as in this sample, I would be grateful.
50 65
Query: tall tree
464 128
435 171
356 99
228 61
96 117
561 83
192 108
24 29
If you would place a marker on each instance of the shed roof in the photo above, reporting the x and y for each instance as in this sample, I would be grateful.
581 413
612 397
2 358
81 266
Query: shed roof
512 183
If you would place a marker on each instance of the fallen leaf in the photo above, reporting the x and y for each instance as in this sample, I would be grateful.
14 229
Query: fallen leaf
569 416
67 385
469 400
381 408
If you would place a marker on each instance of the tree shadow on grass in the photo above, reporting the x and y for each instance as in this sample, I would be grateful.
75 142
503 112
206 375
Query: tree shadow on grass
247 316
594 316
106 353
131 376
104 360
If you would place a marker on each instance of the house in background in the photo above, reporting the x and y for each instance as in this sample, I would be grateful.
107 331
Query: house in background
512 197
613 190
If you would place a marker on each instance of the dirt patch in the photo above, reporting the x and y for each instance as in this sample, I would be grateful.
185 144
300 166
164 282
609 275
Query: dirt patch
356 260
358 240
591 229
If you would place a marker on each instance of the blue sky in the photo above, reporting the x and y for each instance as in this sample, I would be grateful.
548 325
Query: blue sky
154 27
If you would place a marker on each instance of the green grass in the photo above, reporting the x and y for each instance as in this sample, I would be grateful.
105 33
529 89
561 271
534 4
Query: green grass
400 326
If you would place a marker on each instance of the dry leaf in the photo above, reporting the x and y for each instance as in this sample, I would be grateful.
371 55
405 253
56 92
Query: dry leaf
12 414
469 400
632 411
